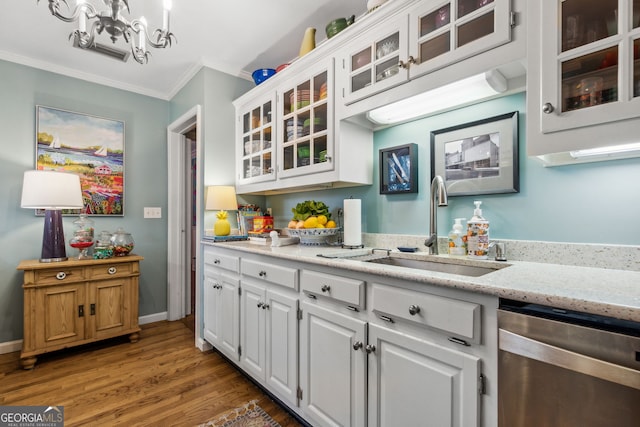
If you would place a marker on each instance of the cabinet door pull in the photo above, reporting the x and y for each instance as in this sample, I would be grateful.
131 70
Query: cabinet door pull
81 310
370 348
414 309
112 270
259 305
325 288
548 108
265 306
262 273
386 318
216 261
357 345
61 275
92 309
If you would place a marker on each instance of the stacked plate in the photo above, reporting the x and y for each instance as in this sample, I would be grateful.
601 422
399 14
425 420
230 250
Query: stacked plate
294 130
322 94
305 97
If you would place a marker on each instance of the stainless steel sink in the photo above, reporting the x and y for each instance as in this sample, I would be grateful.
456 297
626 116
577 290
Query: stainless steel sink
442 267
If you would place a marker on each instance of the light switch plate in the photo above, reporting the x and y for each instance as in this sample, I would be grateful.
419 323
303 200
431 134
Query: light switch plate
153 212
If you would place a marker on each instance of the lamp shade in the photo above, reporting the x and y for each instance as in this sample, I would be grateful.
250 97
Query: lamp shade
221 198
51 190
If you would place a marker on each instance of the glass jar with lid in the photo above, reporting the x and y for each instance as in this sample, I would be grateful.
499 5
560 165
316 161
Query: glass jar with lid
82 239
104 247
122 242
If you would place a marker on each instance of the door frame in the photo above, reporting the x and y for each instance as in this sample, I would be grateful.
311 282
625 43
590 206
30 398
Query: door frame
178 266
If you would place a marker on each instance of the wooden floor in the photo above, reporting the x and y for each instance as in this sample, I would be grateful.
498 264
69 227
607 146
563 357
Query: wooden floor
162 380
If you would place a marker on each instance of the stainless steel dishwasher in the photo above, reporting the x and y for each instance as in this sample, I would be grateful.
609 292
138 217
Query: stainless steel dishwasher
561 368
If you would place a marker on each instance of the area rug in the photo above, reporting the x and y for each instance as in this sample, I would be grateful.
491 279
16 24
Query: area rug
248 415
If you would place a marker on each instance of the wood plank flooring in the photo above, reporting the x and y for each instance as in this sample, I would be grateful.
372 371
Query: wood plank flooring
162 380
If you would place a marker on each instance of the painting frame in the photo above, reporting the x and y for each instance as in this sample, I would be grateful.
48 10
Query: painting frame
89 146
399 169
479 157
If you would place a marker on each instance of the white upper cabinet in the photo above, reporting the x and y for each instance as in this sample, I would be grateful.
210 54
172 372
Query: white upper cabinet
255 150
426 37
584 76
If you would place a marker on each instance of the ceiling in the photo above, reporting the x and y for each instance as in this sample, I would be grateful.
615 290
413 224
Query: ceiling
233 36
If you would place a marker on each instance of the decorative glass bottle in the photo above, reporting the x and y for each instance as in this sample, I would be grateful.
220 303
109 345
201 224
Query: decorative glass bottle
122 242
82 239
104 248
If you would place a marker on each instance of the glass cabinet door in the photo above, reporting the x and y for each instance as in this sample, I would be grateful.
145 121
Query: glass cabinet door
306 114
454 30
592 46
257 145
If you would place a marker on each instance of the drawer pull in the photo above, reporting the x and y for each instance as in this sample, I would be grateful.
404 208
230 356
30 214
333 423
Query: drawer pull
312 296
357 345
61 275
112 270
386 318
414 309
352 308
370 348
262 273
458 341
216 261
325 288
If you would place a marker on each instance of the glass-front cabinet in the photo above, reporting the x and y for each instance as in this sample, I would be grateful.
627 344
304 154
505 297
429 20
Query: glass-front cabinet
306 122
432 36
257 136
593 49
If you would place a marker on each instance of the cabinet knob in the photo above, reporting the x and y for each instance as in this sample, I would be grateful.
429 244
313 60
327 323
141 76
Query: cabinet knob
216 261
414 309
112 270
260 304
61 275
357 345
325 288
547 108
262 273
410 60
265 306
370 348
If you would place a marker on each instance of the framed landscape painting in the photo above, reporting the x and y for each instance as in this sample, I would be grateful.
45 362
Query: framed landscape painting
89 146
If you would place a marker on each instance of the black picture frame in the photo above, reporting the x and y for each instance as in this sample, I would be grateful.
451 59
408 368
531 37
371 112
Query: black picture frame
399 169
479 157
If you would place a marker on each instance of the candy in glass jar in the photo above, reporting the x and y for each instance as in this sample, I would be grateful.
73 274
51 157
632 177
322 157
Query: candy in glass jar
82 239
104 248
122 242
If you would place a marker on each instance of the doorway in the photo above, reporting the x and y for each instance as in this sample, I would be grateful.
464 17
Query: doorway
184 224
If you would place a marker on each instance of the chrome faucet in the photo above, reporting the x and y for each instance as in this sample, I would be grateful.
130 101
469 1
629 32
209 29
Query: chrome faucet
437 190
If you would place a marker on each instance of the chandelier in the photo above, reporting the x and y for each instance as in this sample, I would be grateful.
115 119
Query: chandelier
92 22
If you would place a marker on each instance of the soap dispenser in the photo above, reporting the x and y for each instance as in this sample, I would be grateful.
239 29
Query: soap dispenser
477 234
457 239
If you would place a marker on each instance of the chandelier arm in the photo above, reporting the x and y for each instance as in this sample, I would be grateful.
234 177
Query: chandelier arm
54 7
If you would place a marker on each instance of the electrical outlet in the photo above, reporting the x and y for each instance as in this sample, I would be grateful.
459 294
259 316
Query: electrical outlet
153 212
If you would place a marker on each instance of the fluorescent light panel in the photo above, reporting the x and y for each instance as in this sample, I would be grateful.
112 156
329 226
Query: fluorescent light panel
454 94
611 151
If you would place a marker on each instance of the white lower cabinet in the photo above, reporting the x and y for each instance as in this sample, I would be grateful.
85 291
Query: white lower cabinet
221 309
269 330
333 365
413 382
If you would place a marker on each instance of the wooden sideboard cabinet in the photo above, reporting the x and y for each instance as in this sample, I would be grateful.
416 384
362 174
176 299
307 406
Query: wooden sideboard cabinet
76 302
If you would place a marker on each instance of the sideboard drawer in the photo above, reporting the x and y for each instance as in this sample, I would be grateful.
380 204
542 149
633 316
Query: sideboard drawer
283 276
458 318
341 289
106 271
58 276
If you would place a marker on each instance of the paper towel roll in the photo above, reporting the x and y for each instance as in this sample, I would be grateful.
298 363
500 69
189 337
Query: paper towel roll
352 222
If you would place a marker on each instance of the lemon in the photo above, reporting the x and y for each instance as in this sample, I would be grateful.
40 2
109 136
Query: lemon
311 222
322 219
330 224
320 226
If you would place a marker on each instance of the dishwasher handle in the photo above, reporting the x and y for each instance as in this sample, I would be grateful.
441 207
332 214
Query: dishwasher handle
536 350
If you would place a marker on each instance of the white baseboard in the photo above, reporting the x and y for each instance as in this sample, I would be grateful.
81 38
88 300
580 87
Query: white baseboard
11 346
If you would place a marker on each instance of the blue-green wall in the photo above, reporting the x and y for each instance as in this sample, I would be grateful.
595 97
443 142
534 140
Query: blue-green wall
588 203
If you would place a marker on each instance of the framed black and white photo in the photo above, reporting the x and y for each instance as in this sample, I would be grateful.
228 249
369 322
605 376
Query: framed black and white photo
399 169
480 157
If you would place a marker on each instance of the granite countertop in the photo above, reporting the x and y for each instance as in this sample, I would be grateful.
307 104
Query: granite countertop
608 292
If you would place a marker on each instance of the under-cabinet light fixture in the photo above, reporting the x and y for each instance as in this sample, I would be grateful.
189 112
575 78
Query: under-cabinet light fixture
459 93
612 151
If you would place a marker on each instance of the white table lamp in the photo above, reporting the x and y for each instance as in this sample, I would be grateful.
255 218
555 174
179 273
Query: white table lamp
221 198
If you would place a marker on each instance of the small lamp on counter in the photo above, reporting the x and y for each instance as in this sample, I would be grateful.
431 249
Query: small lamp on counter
51 191
221 198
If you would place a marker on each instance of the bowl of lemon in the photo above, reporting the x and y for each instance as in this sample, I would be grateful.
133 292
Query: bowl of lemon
312 224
